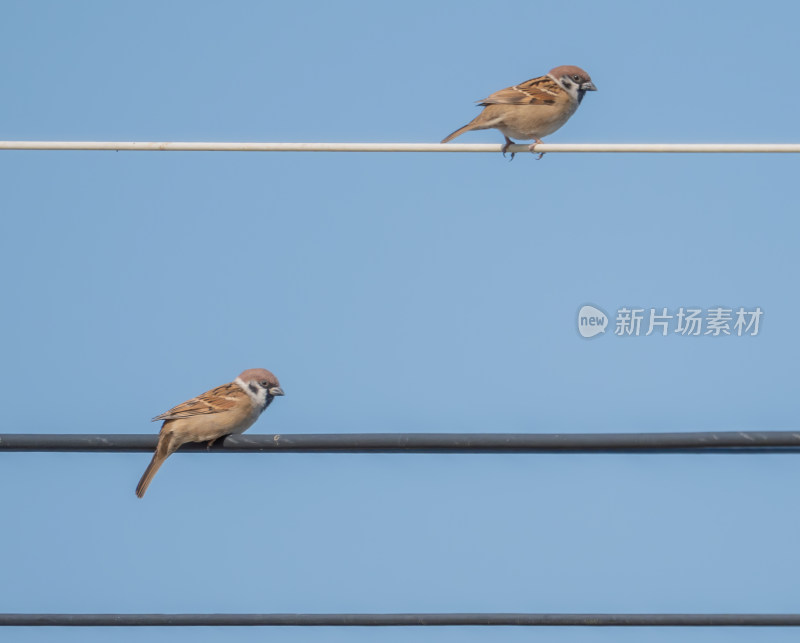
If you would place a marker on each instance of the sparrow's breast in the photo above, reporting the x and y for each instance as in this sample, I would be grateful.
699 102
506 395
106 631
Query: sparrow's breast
243 421
200 428
536 121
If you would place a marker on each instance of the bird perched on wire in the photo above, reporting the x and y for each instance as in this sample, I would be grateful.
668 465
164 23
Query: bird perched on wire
532 109
230 408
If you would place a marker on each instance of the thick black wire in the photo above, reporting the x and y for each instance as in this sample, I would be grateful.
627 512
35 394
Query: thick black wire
696 442
395 620
728 442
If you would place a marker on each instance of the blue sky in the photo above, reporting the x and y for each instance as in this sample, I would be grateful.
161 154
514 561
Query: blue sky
396 292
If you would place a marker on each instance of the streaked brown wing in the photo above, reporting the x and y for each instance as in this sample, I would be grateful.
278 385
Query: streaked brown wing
537 91
216 400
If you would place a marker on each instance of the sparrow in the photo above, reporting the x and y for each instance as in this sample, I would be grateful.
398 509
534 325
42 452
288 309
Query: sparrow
532 109
230 408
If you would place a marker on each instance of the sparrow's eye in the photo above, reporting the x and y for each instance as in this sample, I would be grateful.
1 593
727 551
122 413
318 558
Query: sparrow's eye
576 78
264 383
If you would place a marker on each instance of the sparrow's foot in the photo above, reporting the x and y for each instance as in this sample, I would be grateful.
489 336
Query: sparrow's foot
506 146
219 437
532 148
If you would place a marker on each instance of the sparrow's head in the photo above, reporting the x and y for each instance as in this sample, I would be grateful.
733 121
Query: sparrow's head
574 80
261 384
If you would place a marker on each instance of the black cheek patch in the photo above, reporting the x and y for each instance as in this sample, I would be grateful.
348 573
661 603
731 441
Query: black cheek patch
253 388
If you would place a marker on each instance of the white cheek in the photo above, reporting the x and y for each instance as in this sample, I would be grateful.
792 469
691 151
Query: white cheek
259 397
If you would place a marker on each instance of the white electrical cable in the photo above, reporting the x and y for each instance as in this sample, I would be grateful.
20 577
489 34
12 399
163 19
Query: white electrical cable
682 148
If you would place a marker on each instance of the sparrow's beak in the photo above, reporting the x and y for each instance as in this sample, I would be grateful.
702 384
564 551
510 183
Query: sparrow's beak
276 390
589 87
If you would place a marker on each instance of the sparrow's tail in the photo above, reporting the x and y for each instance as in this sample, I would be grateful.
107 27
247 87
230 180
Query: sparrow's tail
163 450
459 131
154 466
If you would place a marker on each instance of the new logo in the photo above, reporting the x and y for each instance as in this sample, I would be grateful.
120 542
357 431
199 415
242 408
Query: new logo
591 321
